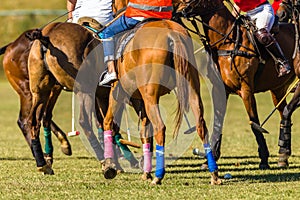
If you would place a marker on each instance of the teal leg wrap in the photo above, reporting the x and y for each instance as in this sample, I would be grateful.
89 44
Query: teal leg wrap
48 141
126 151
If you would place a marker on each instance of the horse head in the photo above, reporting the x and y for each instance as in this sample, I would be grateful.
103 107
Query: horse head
285 10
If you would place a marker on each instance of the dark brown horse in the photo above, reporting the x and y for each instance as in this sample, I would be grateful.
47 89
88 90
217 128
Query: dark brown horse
149 69
15 68
288 11
240 64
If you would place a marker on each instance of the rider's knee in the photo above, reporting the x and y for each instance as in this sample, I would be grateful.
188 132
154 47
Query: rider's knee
264 37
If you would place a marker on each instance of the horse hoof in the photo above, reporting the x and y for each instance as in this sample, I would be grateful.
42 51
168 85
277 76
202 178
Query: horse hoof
49 159
109 169
215 180
283 164
263 166
283 161
66 149
156 181
110 173
46 169
146 176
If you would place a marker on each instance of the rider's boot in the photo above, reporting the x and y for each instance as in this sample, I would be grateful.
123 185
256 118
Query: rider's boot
265 38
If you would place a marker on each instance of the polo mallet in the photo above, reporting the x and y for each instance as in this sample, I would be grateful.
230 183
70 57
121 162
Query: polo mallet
259 127
73 132
127 125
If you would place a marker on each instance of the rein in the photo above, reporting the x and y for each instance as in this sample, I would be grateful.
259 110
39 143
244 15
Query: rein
195 17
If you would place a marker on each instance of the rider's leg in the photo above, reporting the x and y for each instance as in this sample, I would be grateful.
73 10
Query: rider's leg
265 38
121 24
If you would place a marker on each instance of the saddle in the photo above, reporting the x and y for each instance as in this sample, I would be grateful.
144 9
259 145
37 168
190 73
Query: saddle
121 40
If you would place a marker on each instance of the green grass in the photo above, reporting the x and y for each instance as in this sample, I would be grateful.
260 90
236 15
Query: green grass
79 176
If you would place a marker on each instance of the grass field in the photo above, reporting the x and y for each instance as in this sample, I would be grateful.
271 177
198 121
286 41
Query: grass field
79 177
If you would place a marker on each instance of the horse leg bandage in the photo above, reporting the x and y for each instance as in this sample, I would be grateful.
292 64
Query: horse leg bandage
147 158
108 144
160 161
48 141
212 165
38 152
126 151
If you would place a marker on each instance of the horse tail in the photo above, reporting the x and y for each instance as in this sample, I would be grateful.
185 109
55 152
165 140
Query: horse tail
3 49
181 58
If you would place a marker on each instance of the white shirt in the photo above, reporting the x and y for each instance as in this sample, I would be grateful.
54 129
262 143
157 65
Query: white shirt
100 10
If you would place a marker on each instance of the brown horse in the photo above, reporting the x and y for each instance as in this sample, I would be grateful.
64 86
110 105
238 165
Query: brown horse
288 11
15 68
69 55
68 46
241 66
148 69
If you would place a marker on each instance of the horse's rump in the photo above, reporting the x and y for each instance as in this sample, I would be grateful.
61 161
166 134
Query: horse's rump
61 55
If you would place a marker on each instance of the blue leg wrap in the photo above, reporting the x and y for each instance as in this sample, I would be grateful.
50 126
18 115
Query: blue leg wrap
212 165
160 161
48 141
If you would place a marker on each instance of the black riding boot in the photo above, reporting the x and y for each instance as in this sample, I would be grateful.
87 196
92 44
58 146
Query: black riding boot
265 38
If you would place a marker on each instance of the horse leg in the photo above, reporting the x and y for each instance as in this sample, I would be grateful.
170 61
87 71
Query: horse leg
109 168
196 105
25 102
250 105
48 126
146 135
85 120
284 141
219 114
152 109
61 136
128 155
41 83
34 121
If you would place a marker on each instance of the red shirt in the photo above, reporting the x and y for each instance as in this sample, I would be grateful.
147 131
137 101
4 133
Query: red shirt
246 5
275 5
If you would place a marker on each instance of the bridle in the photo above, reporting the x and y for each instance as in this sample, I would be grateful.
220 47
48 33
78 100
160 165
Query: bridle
194 17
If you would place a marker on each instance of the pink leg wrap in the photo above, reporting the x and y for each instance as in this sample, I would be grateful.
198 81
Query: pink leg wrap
147 158
108 144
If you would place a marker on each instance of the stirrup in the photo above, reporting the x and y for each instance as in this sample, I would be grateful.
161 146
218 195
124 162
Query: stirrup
284 69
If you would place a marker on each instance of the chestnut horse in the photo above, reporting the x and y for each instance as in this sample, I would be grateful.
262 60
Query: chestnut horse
157 59
15 68
241 66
